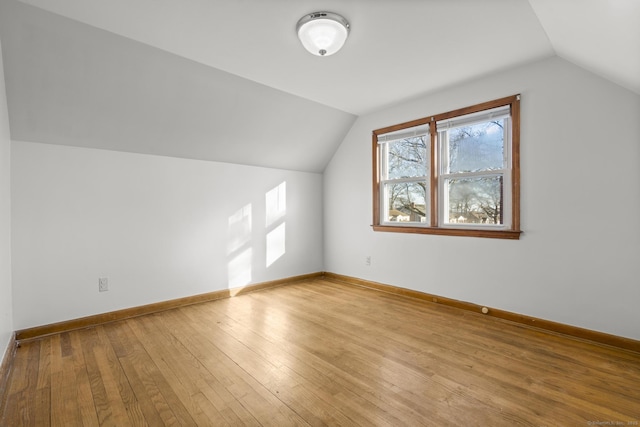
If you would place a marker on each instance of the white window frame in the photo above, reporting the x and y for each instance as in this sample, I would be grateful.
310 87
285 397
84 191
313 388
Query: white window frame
443 129
383 145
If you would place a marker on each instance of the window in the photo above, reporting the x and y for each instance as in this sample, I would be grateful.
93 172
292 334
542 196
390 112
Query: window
455 173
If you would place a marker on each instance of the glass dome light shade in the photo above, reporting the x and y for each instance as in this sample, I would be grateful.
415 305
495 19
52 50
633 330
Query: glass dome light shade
322 33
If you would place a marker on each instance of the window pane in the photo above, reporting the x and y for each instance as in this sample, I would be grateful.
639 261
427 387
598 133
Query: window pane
475 200
407 158
406 202
478 147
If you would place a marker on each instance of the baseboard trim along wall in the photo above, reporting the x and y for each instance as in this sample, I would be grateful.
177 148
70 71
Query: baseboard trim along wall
542 324
98 319
545 325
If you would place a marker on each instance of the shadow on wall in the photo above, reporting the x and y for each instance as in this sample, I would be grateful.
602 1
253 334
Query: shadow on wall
240 244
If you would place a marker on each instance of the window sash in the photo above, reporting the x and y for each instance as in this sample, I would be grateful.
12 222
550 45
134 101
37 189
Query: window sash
384 156
443 197
443 145
443 128
384 196
384 181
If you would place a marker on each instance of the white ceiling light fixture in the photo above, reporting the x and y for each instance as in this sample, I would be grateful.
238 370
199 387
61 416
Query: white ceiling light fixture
322 33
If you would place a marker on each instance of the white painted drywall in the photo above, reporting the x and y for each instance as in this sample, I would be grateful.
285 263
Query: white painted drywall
577 261
157 227
6 312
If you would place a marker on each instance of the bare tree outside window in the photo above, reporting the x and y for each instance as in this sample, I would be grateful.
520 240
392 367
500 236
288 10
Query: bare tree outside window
407 161
475 149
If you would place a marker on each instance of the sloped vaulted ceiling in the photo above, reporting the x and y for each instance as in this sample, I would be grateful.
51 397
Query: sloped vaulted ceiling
602 36
228 80
71 84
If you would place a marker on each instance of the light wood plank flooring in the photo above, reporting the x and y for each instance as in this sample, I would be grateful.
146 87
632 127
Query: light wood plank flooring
320 353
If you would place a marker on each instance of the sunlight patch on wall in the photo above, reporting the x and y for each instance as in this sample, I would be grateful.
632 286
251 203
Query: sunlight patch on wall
276 209
276 244
239 247
240 269
276 203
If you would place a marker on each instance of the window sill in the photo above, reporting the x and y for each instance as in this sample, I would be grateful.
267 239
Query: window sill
491 234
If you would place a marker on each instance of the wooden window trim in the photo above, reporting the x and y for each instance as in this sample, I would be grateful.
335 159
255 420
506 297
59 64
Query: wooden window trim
512 233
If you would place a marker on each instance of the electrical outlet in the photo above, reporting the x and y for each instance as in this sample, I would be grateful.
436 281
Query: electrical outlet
367 260
103 284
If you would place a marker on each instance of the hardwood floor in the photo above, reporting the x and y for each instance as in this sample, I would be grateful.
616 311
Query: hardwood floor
320 353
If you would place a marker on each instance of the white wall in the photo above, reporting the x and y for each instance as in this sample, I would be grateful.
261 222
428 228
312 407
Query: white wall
578 259
158 227
6 312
